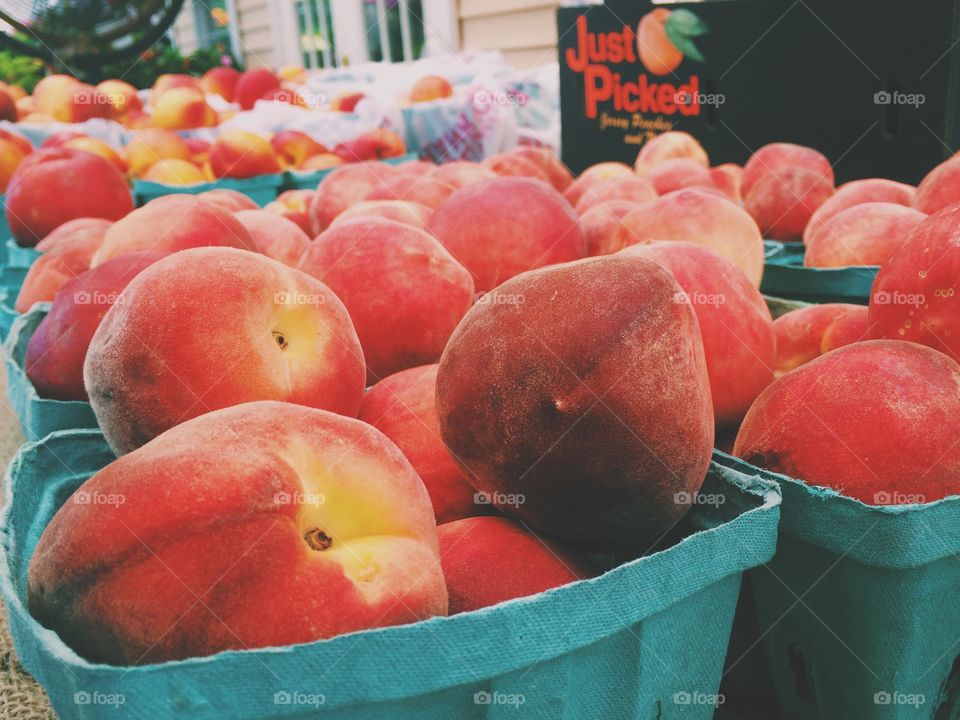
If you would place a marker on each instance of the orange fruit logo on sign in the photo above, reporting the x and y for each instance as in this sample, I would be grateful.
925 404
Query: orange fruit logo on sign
665 37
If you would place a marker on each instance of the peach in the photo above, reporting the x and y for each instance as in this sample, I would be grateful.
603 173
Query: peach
410 213
632 189
284 94
800 333
8 106
230 200
499 228
182 108
782 202
702 218
253 85
290 554
558 173
58 139
776 157
321 161
377 144
14 91
940 188
171 223
595 173
671 145
172 171
293 146
152 144
346 101
66 99
489 560
728 179
600 224
199 150
857 192
510 165
735 324
430 87
293 73
865 234
11 155
260 331
170 81
220 81
19 140
121 95
670 175
657 53
344 187
293 204
426 190
241 154
54 362
405 293
462 173
877 422
554 405
70 250
916 295
418 167
275 237
403 407
97 147
55 185
26 107
848 328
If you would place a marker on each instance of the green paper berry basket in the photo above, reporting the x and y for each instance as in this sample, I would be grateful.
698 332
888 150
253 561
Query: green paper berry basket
38 416
19 257
784 276
262 189
645 640
859 611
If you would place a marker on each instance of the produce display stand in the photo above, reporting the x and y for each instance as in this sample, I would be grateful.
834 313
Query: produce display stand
38 416
595 648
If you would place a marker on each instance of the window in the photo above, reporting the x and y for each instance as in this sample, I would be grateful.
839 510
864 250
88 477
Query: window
315 30
212 20
394 29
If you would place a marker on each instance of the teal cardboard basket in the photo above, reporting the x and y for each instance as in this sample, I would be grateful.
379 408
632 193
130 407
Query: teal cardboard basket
20 258
645 640
7 314
295 180
38 416
859 611
262 189
4 227
784 276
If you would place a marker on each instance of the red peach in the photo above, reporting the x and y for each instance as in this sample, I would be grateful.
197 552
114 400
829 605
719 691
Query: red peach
294 146
152 144
221 81
293 204
632 189
875 421
172 171
403 407
71 230
857 192
865 234
489 560
800 333
97 147
558 173
182 108
325 530
511 165
462 173
261 331
940 188
702 218
670 175
230 200
735 323
346 101
241 154
344 187
916 295
275 237
595 173
848 328
417 167
171 81
586 420
671 145
54 362
405 293
55 185
401 211
430 87
71 101
253 85
321 161
11 155
19 140
171 223
378 144
600 225
728 179
782 202
426 190
776 157
500 228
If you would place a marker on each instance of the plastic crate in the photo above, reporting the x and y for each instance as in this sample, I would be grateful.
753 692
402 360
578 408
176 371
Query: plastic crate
645 640
262 189
38 416
858 611
295 180
784 276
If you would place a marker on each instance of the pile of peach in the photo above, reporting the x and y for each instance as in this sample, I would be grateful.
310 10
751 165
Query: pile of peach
421 389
